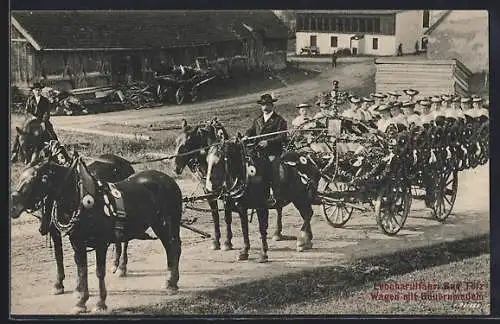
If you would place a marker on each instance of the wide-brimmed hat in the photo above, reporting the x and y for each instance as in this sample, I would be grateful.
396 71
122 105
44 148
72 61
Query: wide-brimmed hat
446 98
425 103
266 99
36 85
335 82
465 100
436 99
477 99
411 92
392 93
365 99
378 95
395 104
455 99
303 105
383 107
408 104
354 99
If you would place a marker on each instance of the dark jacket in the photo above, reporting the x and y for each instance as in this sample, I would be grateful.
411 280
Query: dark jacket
275 123
40 110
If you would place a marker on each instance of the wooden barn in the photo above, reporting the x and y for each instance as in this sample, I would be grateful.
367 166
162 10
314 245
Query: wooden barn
79 49
429 77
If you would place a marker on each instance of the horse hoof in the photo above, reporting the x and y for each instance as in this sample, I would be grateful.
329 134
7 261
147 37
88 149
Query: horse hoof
277 237
114 269
100 309
263 258
122 273
171 289
58 290
215 246
304 247
243 257
227 247
79 310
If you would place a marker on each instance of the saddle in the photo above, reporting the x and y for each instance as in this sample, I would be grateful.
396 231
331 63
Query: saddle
114 206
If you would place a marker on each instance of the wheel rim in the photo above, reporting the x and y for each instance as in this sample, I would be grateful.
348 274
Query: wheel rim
392 210
179 96
446 195
336 214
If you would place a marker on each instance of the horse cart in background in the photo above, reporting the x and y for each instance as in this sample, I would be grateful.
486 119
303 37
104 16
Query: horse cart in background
184 82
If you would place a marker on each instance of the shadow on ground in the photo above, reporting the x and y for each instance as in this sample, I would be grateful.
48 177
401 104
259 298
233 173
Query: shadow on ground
315 284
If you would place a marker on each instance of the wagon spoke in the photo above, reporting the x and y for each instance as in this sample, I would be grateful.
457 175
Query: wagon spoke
449 202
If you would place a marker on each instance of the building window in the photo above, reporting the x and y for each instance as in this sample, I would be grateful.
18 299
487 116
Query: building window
334 24
334 41
369 25
355 25
375 44
426 19
313 41
348 24
299 23
340 25
376 25
314 23
362 25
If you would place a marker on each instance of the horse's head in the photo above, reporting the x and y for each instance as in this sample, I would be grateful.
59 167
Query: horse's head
225 165
31 137
194 138
35 183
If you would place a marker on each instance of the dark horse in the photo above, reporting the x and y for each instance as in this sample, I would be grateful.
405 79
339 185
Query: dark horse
89 211
106 167
239 177
31 139
197 139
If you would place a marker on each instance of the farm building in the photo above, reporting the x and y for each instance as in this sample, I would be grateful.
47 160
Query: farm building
373 32
81 49
429 77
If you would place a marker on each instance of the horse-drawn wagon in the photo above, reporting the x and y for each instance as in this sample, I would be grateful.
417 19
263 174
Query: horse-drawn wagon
390 170
182 84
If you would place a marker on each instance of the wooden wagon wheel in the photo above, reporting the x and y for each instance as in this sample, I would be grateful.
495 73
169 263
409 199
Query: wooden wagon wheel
180 95
392 208
336 214
445 196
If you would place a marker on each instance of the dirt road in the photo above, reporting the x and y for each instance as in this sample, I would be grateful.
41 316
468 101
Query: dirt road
33 267
351 76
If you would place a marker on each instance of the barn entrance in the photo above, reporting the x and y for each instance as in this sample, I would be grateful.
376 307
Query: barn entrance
125 68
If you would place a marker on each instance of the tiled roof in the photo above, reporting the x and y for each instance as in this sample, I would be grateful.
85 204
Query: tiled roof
144 29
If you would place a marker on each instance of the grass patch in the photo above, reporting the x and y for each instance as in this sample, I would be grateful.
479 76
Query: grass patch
301 292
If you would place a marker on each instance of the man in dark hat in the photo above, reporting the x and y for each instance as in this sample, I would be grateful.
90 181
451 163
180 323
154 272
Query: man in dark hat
268 122
39 107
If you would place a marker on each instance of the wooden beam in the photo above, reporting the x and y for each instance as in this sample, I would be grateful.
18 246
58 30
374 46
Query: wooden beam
25 34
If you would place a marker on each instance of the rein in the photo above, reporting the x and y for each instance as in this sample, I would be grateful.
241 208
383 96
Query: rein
62 228
169 157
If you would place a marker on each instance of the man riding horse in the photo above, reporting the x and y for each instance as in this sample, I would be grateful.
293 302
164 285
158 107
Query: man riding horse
268 122
39 108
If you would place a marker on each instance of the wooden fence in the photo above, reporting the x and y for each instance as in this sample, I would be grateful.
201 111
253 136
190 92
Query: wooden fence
429 77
